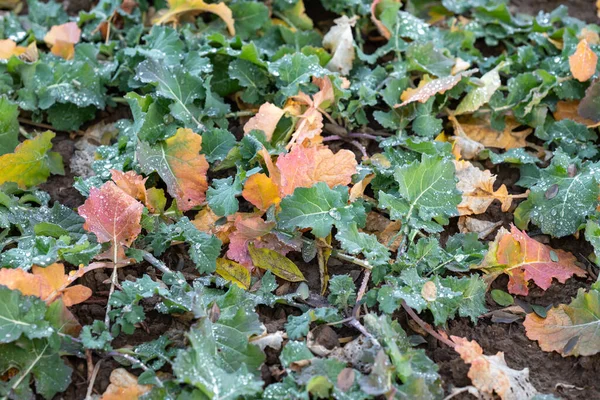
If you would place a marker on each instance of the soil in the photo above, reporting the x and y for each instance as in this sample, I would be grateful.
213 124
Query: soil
568 378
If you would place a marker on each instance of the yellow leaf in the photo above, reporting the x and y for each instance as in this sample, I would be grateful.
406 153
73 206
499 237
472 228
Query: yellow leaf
30 164
279 265
234 272
179 8
480 130
261 191
583 62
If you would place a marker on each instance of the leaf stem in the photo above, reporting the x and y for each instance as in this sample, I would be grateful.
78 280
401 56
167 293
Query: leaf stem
155 262
243 113
428 328
345 257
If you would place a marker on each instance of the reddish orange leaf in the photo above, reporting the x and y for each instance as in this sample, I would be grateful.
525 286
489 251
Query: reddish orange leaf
305 166
427 89
569 110
583 62
261 191
490 374
63 38
124 386
265 120
179 163
524 259
112 215
26 283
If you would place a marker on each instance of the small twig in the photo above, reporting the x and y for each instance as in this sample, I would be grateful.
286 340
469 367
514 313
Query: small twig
345 257
244 113
456 391
155 262
134 361
360 147
428 328
29 122
88 395
361 292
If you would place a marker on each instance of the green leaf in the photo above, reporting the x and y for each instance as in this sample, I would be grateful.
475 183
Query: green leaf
592 235
21 315
427 189
37 359
298 326
178 85
249 18
318 208
216 144
9 126
573 138
342 291
293 70
502 298
564 209
354 242
254 78
425 57
278 264
204 249
202 366
149 118
222 195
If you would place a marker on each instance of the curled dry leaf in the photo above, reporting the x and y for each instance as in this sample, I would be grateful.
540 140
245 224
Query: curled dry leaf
481 131
569 329
112 215
583 62
380 26
491 375
63 38
523 258
124 386
482 228
265 120
477 188
341 43
179 9
427 89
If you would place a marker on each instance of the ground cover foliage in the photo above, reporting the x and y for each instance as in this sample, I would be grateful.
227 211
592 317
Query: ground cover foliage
340 170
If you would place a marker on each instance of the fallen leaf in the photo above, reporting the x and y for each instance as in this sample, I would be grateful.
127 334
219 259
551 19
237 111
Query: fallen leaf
481 95
261 191
124 386
482 228
9 48
583 62
570 330
205 221
427 89
63 38
523 258
179 163
190 8
278 264
31 162
340 41
234 272
477 188
480 130
490 374
305 166
248 228
49 284
569 110
592 37
265 120
112 215
380 26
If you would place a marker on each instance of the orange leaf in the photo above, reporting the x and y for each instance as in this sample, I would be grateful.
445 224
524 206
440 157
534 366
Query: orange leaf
205 221
480 130
380 26
265 120
477 188
62 38
490 374
26 283
523 258
112 215
305 166
427 89
261 191
569 110
131 183
58 281
8 48
179 163
124 386
583 62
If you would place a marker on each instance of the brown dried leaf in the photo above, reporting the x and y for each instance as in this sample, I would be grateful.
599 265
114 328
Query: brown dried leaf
427 89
